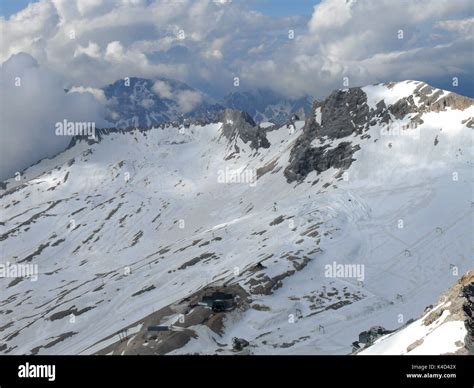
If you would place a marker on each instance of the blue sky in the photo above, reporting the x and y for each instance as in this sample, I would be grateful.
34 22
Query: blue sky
9 7
285 7
268 7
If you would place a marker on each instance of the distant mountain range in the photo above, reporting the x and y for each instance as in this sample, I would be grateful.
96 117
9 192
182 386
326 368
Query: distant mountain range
140 102
266 105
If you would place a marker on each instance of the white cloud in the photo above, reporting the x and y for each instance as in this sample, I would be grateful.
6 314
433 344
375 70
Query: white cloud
147 103
162 89
324 16
115 39
32 101
257 49
97 93
188 100
87 6
115 52
29 30
356 38
359 39
91 50
215 50
464 27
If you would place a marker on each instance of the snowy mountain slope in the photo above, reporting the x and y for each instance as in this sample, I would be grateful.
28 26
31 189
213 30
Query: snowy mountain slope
130 231
446 328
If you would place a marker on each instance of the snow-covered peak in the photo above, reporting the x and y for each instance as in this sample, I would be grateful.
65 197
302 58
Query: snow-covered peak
420 95
392 113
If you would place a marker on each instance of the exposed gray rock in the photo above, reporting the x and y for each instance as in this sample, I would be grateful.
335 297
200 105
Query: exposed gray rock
239 343
346 112
342 113
370 336
468 307
320 159
380 114
428 99
403 107
240 124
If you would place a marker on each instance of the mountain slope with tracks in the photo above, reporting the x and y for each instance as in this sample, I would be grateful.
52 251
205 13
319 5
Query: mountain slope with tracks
131 230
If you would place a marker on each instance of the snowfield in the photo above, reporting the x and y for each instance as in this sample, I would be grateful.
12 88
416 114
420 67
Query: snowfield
125 229
441 330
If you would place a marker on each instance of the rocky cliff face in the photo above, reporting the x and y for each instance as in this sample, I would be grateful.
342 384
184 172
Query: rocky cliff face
468 307
237 124
338 116
426 98
347 113
457 304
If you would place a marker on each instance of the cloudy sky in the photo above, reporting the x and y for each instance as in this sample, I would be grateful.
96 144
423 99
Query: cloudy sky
293 47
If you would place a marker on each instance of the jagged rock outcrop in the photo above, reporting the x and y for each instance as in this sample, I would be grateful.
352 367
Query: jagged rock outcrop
425 99
347 112
459 302
320 159
239 124
342 113
468 307
368 337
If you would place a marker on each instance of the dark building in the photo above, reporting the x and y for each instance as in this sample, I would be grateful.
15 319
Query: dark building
218 301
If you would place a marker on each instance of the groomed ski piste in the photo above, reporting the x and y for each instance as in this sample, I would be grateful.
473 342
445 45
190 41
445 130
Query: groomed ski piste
125 231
